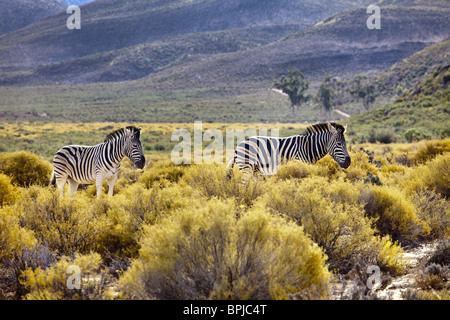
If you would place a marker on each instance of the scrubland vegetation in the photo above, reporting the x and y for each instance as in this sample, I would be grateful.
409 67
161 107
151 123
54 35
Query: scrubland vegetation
188 232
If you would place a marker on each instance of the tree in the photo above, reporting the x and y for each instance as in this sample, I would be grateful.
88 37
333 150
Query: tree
365 92
294 85
325 95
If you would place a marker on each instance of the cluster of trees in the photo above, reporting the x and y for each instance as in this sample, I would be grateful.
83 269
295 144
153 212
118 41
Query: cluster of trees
331 92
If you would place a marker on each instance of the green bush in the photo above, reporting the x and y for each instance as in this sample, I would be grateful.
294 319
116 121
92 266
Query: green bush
412 135
25 168
213 251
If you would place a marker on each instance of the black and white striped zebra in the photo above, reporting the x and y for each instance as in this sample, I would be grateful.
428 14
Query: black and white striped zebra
94 164
264 154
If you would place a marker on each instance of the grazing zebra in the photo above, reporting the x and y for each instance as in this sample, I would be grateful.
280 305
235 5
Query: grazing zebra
95 164
264 154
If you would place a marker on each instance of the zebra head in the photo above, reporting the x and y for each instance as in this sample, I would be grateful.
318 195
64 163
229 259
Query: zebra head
133 146
337 147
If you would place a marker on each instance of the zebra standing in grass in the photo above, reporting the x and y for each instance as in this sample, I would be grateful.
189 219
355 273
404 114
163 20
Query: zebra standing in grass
95 164
264 154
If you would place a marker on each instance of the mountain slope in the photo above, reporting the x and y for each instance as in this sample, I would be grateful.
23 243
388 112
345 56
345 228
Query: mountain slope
423 112
339 45
16 14
138 61
409 71
114 24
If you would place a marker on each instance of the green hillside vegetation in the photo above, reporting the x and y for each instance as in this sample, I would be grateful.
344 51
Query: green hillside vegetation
422 112
411 70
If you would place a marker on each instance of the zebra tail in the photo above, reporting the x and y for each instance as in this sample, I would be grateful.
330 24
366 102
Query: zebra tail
53 179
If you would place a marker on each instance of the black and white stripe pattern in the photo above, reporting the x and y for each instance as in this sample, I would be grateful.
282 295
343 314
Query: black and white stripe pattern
94 164
264 154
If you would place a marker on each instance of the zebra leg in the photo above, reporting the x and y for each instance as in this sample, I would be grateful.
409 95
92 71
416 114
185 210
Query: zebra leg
247 172
61 182
73 187
111 183
99 184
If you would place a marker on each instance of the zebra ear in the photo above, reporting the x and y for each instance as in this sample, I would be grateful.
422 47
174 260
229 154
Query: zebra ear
331 128
345 128
127 131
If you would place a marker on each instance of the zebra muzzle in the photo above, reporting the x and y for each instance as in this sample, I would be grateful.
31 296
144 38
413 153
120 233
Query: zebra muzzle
140 164
346 163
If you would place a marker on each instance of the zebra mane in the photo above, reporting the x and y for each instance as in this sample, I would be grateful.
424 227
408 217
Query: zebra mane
323 127
120 132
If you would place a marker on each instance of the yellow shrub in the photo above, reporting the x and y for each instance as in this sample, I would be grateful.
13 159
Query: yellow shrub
65 225
360 167
128 211
430 150
296 170
209 251
7 191
392 168
438 175
434 209
25 168
13 238
331 213
212 181
163 173
59 281
434 175
393 213
389 255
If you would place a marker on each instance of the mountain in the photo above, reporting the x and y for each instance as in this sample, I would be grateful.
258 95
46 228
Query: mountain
108 25
16 14
339 45
138 61
250 45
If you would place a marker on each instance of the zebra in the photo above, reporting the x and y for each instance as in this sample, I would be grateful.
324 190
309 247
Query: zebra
264 154
95 164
